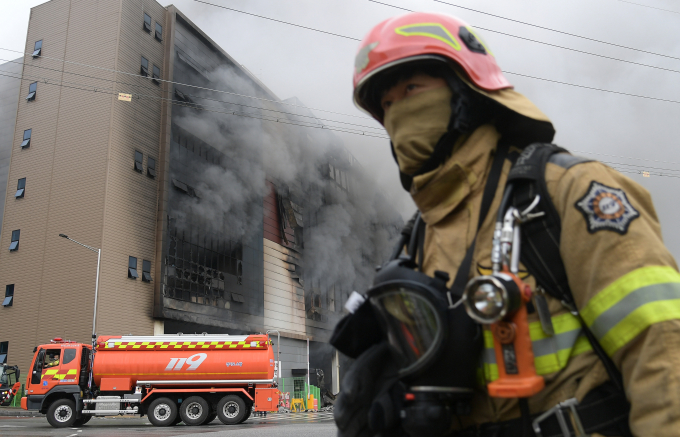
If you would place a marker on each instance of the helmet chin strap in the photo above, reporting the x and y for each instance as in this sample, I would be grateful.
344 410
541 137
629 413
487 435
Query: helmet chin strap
468 112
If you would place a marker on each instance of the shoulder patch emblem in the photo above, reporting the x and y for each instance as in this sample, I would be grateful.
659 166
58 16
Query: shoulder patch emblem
606 208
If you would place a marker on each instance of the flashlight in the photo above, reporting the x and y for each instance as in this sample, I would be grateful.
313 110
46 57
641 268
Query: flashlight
488 299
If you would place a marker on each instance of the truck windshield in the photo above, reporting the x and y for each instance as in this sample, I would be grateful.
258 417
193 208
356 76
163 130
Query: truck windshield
3 376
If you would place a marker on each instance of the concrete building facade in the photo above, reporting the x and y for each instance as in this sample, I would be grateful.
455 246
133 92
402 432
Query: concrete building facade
118 96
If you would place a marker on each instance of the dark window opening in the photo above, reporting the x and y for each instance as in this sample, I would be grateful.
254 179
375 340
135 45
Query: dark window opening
138 161
132 268
32 88
156 75
4 345
27 138
147 23
144 71
21 188
14 245
159 32
37 49
9 295
202 269
151 167
146 271
238 298
181 186
51 358
69 355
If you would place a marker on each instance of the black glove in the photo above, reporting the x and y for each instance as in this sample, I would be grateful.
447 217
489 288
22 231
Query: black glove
366 405
358 331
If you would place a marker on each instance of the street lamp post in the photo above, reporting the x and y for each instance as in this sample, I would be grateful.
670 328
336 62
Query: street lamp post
96 287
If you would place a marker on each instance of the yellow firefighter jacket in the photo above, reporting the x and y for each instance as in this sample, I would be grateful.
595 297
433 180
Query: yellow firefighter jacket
624 281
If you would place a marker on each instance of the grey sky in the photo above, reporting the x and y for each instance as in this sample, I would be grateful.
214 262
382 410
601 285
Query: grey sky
317 69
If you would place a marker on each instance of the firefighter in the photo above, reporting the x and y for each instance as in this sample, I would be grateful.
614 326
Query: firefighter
52 360
434 85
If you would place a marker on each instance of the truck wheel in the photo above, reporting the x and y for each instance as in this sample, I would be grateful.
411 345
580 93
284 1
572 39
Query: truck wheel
162 412
231 410
82 421
194 410
249 410
62 413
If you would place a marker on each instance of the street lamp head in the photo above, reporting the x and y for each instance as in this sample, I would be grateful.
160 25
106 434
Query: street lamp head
63 236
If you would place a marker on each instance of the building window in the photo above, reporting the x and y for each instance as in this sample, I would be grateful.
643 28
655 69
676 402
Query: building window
236 297
138 161
145 67
14 245
181 186
9 295
32 88
27 138
21 188
146 271
156 74
147 23
201 269
4 345
151 167
132 268
159 32
37 49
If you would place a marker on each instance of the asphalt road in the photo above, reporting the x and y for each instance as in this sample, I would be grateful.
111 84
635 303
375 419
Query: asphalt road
274 425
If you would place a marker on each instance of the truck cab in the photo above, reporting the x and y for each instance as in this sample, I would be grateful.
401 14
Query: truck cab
9 383
57 381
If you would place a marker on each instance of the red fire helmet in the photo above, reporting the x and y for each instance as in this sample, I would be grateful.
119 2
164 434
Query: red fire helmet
421 36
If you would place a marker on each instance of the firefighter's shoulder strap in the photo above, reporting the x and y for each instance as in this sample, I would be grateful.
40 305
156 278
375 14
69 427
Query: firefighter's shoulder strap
541 236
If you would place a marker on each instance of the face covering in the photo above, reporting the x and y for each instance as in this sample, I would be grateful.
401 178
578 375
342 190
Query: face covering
415 124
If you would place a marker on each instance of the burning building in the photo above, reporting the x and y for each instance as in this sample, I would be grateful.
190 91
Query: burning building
217 206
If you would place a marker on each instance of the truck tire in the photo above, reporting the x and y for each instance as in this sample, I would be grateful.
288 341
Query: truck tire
82 421
249 410
194 410
62 413
162 412
231 410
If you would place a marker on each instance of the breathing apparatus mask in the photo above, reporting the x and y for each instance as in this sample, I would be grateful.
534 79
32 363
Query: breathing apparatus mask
437 345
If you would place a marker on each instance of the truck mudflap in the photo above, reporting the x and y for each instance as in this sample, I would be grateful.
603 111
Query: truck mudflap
266 399
24 403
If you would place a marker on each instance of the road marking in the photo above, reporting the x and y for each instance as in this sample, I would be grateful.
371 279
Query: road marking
11 426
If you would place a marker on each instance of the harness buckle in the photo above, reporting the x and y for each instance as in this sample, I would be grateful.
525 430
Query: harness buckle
558 410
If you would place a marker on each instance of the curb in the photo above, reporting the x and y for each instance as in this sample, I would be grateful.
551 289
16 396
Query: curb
18 412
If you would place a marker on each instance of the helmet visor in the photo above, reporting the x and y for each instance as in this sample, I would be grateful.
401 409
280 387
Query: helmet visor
413 325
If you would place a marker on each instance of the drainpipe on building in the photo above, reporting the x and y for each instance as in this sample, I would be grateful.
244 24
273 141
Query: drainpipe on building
307 401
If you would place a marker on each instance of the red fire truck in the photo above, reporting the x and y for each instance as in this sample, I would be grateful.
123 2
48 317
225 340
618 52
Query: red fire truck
169 378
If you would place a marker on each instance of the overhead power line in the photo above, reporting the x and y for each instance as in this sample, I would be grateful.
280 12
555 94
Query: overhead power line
541 42
555 30
650 7
625 157
190 95
486 29
279 21
622 167
186 84
96 89
593 88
